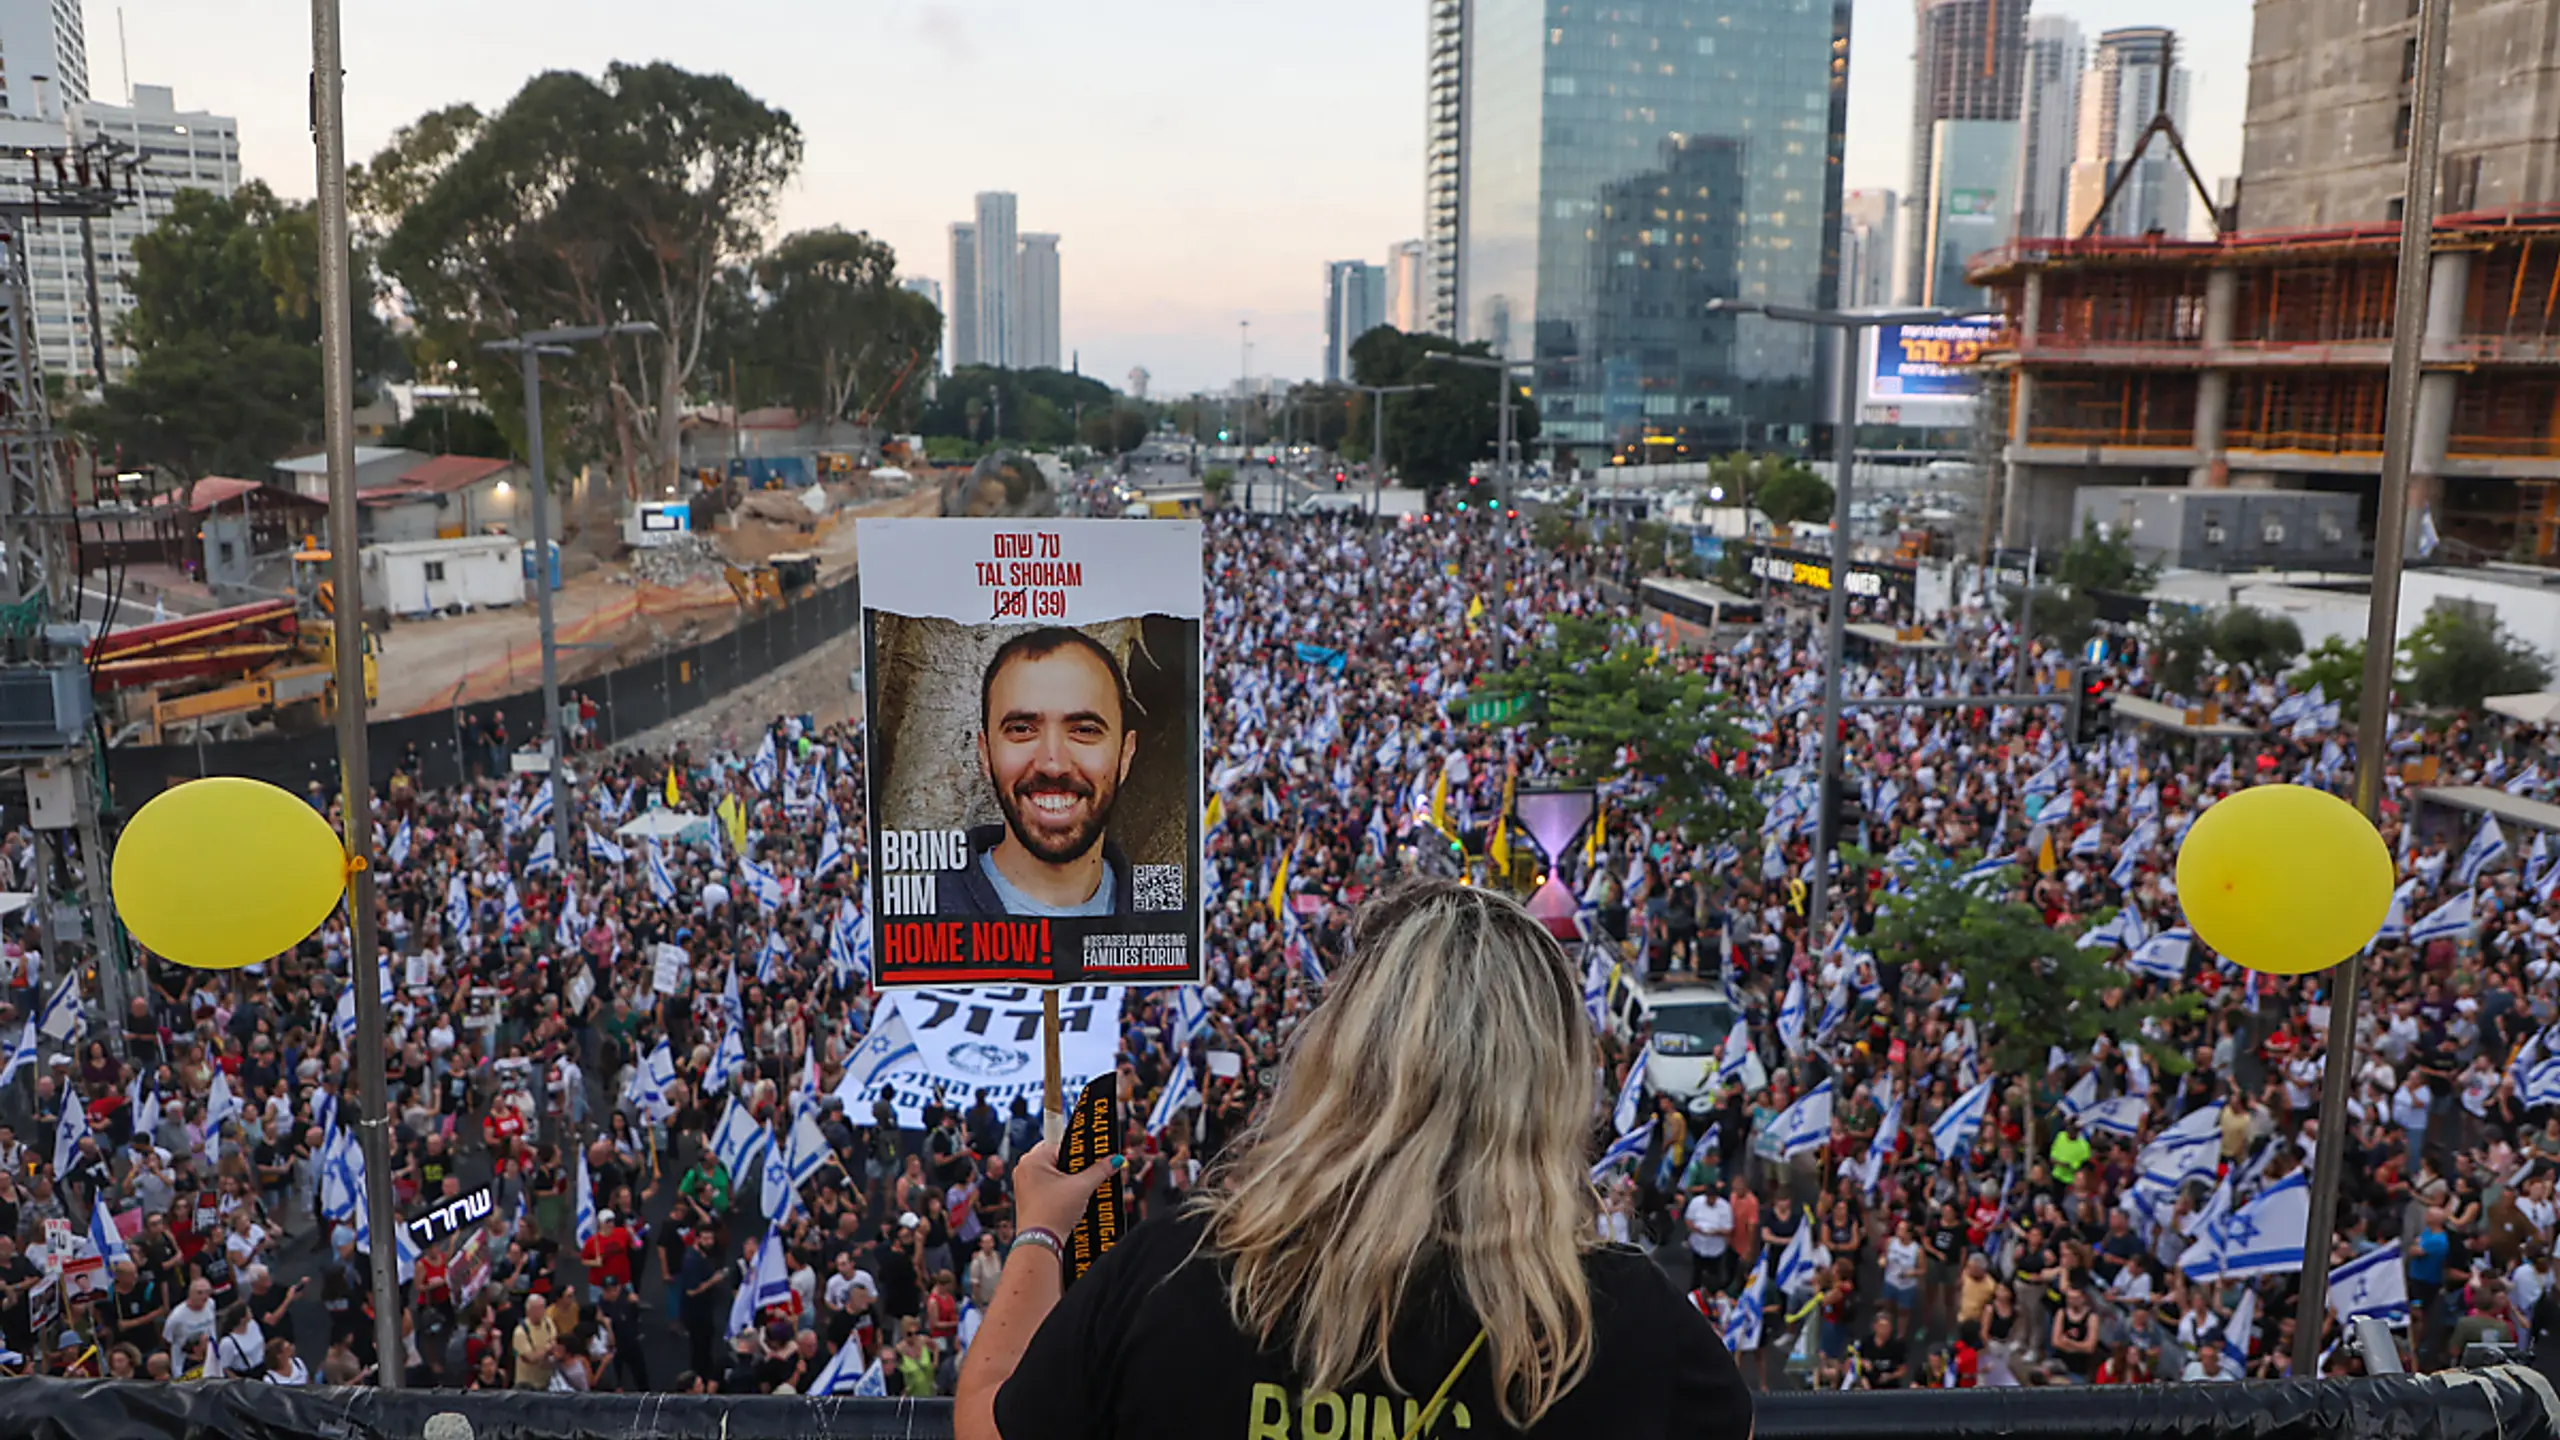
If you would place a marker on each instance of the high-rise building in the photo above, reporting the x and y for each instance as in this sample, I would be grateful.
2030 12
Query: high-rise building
2325 140
1867 252
1970 61
1039 348
1973 164
964 296
2049 124
1444 168
1355 303
2118 96
1606 203
44 59
1406 302
999 281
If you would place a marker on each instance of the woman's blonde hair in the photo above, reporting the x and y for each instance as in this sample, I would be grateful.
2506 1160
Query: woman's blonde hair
1430 1126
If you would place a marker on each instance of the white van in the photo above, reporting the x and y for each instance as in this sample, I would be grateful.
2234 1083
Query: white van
1689 1018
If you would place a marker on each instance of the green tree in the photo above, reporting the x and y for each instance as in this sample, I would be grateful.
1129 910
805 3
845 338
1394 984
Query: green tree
836 333
630 196
1433 436
1215 480
453 430
1595 689
2030 985
2337 667
1030 407
2180 646
2098 560
226 328
2457 657
2255 639
2067 616
1781 487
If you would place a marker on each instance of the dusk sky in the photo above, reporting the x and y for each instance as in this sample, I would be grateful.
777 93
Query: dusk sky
1201 160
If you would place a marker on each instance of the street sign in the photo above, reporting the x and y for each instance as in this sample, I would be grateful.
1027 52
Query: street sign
1497 709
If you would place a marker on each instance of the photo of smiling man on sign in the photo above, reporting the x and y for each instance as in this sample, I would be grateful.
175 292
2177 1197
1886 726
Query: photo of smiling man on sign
1032 693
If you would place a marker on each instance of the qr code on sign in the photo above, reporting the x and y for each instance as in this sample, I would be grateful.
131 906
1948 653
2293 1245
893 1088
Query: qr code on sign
1159 887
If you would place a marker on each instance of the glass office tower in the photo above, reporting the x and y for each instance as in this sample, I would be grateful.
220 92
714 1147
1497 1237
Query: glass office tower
1628 161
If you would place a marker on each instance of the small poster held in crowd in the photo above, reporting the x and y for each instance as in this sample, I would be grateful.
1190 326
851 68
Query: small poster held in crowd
1032 706
671 962
1091 1133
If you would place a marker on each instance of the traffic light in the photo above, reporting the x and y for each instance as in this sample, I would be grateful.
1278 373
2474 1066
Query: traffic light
2092 717
1847 804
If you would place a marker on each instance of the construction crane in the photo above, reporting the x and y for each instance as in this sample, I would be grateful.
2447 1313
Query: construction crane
219 674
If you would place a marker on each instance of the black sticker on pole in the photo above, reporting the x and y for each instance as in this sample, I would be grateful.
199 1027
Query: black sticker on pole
1093 1138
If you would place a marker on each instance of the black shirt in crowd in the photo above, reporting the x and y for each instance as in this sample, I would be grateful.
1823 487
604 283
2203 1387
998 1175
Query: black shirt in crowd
1142 1349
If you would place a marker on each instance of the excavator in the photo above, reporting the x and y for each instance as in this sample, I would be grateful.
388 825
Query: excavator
761 586
219 674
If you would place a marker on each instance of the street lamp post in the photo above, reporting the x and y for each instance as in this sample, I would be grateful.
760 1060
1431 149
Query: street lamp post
529 348
1378 439
1502 482
1836 619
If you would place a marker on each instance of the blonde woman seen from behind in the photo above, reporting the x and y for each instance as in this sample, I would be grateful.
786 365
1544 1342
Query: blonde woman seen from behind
1404 1238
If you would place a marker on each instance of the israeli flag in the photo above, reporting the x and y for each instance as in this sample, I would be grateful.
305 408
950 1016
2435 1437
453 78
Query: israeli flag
1805 1125
780 1198
343 1018
1191 1015
1953 1131
840 1377
662 886
540 808
457 906
511 912
1791 1018
103 1236
1595 989
71 1128
586 1202
830 849
1630 1106
1181 1090
22 1054
1880 1149
889 1044
2488 846
760 881
763 770
873 1385
2374 1283
545 855
2121 1116
2395 921
738 1140
2081 1097
2448 921
145 1103
2089 843
61 1017
648 1087
400 847
1735 1056
1795 1267
2222 774
2107 932
2263 1237
608 851
220 1105
2136 845
2146 804
775 953
727 1059
2240 1330
770 1282
2137 1073
2537 858
2163 956
1742 1327
1627 1149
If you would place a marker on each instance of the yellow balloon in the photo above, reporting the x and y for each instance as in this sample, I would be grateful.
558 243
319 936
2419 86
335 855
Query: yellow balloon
224 872
2284 879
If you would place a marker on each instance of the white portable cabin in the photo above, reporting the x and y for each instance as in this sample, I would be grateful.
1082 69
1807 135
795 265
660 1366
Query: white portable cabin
433 577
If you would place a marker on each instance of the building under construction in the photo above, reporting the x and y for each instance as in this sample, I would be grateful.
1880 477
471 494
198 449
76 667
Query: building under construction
2261 360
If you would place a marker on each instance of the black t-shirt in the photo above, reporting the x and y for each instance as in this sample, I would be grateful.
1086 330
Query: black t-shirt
1142 1349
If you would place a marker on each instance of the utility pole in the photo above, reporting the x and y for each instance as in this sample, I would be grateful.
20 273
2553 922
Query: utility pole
1847 324
1502 486
355 779
2390 533
529 349
1378 439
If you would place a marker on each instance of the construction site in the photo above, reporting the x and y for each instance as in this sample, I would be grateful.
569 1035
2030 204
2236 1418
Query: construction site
2260 360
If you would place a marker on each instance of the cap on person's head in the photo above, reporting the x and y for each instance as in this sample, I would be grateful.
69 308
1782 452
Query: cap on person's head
70 1340
908 1221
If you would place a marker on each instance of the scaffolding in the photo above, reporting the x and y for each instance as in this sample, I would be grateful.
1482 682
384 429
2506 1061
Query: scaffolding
2118 409
2133 305
2307 412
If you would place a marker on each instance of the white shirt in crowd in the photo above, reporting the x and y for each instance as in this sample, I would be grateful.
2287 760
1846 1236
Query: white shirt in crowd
1710 1225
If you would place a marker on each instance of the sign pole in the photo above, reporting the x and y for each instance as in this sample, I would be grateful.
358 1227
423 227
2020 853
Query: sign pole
1053 1113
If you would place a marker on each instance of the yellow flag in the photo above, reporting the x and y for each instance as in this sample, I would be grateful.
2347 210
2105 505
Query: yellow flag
1440 805
1475 608
1280 888
2045 862
1215 816
733 819
1500 849
675 798
1592 839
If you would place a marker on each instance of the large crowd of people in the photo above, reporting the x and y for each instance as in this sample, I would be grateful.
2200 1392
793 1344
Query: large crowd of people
612 1039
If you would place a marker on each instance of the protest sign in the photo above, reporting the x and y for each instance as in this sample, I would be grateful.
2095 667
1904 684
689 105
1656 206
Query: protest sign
1032 707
